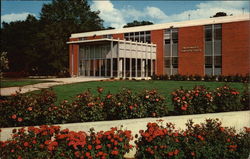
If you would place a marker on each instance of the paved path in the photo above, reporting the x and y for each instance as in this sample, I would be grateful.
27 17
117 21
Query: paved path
57 81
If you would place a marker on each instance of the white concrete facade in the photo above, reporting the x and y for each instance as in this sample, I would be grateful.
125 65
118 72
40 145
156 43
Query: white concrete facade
115 58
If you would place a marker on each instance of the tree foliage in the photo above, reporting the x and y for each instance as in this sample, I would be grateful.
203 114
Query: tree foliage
40 44
137 23
219 14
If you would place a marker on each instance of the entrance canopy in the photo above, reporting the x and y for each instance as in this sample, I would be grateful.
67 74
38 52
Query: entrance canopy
115 58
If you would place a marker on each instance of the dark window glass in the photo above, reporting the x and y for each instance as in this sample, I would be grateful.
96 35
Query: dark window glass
217 47
175 62
167 62
167 49
217 61
208 61
208 33
167 41
174 35
217 32
126 34
208 48
148 32
136 33
175 41
148 40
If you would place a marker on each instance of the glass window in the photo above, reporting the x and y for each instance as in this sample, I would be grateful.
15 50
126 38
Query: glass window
208 61
167 62
167 50
208 32
175 50
208 48
175 62
217 61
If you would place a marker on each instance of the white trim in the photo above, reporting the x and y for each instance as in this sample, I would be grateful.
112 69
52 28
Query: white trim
225 19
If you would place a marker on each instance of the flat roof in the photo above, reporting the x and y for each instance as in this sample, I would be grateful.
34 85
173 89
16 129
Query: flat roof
215 20
109 40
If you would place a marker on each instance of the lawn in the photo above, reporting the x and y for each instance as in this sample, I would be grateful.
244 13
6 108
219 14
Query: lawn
69 91
20 82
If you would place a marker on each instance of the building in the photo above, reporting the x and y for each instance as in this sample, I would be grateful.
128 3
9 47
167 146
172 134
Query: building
214 46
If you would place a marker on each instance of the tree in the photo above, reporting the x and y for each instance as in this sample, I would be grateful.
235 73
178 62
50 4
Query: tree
60 19
219 14
19 40
137 23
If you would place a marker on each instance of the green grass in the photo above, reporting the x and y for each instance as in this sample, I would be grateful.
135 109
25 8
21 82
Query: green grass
20 82
69 91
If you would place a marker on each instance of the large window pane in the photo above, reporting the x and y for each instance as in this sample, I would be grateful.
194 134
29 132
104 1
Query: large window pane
208 61
217 47
175 50
208 33
217 61
167 50
167 62
208 48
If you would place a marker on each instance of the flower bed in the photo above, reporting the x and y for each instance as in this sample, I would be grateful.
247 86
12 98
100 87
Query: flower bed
39 109
51 142
206 140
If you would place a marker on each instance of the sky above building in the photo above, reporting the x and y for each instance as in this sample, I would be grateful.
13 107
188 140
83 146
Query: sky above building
117 13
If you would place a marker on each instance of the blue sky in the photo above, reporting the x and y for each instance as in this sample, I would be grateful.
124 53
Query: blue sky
117 13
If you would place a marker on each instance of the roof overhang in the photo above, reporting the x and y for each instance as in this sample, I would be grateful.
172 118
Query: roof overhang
108 40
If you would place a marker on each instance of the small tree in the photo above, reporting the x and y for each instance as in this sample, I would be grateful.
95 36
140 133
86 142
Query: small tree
4 63
219 14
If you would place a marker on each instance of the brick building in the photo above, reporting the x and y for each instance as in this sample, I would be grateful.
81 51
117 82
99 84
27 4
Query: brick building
214 46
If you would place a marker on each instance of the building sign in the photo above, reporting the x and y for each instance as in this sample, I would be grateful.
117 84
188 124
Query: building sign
191 49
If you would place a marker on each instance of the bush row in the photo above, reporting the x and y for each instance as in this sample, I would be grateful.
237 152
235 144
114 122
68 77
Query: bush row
201 100
209 140
51 142
220 78
38 109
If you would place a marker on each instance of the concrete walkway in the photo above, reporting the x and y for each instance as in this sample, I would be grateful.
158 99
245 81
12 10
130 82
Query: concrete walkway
57 81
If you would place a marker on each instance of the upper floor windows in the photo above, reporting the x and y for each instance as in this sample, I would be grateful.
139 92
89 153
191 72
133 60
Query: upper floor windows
143 36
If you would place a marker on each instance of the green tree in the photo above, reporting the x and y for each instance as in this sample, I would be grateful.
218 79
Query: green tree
219 14
4 63
60 19
19 40
137 23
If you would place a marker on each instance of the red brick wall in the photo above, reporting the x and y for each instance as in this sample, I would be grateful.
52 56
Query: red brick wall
191 63
157 38
120 36
236 48
73 48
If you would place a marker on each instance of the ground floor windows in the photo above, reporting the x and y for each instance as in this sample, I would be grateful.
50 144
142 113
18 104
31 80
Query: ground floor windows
124 67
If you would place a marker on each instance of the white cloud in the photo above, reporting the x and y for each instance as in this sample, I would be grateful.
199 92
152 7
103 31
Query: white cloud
119 17
108 13
15 17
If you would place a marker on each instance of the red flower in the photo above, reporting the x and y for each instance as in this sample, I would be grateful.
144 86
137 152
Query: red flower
20 119
13 116
89 147
193 153
30 109
200 137
170 153
26 144
176 152
19 157
100 89
87 154
109 96
98 147
130 107
183 108
34 141
114 152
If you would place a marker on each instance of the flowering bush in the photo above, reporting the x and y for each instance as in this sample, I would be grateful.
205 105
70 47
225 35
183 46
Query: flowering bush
245 98
22 109
206 140
154 103
51 142
89 107
197 100
227 99
159 142
124 105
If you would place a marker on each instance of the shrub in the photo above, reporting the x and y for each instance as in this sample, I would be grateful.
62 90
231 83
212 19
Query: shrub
208 140
154 103
158 142
88 107
124 105
21 109
51 142
227 99
245 98
197 100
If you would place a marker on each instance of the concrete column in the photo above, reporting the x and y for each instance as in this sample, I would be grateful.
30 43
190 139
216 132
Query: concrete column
94 62
130 63
119 67
118 59
111 61
137 54
100 64
124 61
143 67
